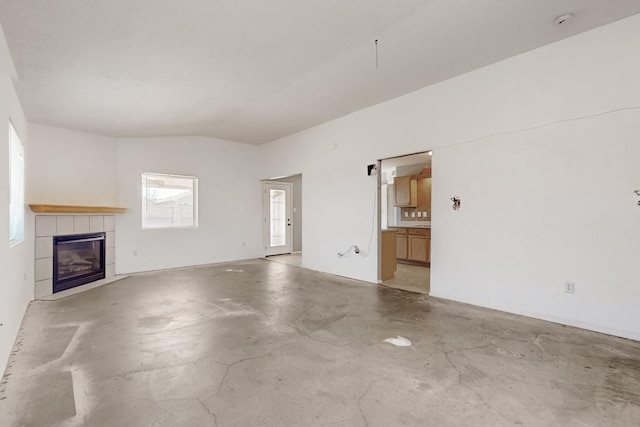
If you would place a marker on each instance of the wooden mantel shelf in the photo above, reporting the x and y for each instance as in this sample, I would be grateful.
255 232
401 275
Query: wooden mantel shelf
69 209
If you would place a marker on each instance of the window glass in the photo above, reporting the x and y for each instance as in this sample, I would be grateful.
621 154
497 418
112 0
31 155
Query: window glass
169 201
278 217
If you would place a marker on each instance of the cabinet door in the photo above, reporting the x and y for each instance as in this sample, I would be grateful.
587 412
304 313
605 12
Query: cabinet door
388 267
418 248
424 194
401 246
402 189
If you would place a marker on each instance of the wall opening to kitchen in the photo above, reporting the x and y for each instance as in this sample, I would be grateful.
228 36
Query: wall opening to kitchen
405 222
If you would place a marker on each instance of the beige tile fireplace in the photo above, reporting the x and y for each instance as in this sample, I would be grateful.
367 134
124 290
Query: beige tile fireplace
63 220
49 226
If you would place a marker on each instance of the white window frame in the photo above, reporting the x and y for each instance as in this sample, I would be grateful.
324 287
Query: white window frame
146 210
16 187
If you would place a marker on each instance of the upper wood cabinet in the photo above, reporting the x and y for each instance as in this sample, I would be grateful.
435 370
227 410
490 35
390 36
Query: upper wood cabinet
406 191
424 194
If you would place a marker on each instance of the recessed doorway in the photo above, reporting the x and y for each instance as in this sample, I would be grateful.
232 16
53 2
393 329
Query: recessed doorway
293 254
405 222
277 218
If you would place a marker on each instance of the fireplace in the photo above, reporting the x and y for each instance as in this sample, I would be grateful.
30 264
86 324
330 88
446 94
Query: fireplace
78 259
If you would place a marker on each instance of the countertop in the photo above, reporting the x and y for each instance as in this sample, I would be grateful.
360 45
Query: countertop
409 226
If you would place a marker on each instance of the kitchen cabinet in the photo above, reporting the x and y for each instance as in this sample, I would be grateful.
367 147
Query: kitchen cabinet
424 194
406 191
388 267
413 244
417 247
401 243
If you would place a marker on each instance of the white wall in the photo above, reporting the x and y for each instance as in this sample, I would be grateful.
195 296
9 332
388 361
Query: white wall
16 263
230 203
72 168
539 206
76 168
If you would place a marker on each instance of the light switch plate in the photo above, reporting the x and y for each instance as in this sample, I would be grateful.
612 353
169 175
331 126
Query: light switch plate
413 214
419 214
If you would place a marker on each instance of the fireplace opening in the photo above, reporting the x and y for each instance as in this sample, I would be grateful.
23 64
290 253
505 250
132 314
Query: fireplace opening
78 259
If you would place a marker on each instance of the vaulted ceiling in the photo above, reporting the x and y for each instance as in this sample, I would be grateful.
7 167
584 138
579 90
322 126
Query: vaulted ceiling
256 70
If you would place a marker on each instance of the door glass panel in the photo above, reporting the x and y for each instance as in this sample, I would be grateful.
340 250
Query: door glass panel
278 217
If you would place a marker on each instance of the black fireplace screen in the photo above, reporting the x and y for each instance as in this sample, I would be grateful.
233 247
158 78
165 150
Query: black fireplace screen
78 259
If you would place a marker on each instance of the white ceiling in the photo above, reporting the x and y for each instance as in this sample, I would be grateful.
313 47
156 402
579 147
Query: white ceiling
256 70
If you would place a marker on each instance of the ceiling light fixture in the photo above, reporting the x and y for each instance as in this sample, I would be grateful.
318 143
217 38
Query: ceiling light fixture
563 19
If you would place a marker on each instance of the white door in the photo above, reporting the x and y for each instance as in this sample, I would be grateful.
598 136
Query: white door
277 218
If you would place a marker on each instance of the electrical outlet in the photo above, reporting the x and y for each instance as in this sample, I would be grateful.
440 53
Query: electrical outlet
569 287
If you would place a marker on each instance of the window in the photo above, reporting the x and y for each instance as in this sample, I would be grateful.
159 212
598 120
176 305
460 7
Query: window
169 201
278 217
16 188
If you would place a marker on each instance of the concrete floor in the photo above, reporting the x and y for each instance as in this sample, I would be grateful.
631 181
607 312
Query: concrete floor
291 259
412 278
264 343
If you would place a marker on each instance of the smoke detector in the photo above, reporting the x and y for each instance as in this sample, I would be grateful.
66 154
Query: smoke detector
563 19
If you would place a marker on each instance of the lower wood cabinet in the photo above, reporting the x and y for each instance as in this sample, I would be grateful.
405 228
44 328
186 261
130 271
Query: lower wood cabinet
388 269
418 248
413 244
401 246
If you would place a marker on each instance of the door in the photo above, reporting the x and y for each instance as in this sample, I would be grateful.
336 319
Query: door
277 218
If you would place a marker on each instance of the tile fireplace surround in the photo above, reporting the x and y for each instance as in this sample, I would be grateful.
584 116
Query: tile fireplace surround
49 226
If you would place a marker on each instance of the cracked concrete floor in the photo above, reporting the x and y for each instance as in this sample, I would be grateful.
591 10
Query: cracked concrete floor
262 343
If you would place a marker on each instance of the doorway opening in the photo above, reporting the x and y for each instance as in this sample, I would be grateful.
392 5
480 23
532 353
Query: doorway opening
405 222
282 205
